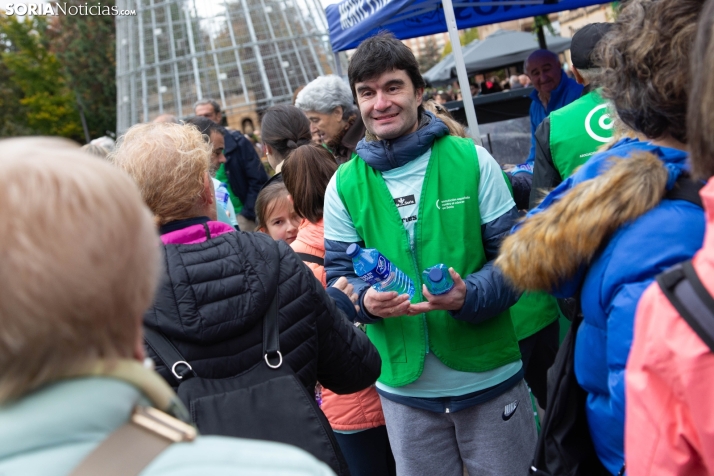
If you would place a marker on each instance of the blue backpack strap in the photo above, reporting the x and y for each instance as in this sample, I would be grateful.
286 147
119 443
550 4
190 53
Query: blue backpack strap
690 298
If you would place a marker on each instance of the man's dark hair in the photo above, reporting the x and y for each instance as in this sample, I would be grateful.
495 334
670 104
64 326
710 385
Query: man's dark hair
380 54
206 126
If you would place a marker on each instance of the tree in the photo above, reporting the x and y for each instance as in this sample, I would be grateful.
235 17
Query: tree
11 111
465 37
428 55
46 104
86 48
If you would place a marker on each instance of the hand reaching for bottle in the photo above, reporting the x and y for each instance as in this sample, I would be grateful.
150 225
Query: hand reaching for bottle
343 285
386 304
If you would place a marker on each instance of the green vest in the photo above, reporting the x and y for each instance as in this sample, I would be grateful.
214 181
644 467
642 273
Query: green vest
533 311
448 230
577 130
222 176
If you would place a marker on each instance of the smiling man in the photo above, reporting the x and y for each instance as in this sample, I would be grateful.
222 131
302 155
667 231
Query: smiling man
553 90
451 385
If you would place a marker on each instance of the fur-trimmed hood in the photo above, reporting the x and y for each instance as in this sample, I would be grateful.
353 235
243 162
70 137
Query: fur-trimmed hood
604 235
564 233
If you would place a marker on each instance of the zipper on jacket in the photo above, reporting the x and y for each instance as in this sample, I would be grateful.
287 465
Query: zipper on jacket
417 284
389 153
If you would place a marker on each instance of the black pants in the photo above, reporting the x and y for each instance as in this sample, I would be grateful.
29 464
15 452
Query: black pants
368 452
538 354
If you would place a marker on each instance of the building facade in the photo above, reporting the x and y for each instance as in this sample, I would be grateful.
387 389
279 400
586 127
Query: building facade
245 54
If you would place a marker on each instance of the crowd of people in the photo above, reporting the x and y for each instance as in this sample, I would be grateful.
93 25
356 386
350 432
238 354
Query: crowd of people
176 242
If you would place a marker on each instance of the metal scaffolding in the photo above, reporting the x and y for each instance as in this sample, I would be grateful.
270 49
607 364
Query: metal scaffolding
245 54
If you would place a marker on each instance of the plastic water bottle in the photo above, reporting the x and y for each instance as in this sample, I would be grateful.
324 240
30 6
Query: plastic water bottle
438 279
376 270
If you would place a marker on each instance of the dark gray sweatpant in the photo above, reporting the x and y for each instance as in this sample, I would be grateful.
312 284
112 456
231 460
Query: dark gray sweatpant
479 438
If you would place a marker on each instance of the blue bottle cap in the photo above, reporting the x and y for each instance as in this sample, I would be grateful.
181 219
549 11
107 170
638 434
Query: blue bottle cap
436 275
353 250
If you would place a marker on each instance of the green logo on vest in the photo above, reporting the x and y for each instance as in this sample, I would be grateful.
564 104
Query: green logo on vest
598 124
450 203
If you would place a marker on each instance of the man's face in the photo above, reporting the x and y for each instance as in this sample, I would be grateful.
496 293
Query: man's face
217 157
326 126
389 104
544 73
207 111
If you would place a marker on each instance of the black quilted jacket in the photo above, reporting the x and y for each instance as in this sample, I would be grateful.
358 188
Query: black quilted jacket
214 295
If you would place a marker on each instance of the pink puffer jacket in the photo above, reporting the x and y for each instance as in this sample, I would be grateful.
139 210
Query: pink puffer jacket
669 421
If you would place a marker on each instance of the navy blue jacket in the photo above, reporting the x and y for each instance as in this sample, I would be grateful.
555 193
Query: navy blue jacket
246 174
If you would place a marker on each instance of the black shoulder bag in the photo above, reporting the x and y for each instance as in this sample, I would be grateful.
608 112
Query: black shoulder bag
564 445
266 402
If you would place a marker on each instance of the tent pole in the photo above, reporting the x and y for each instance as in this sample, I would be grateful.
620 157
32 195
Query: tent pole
461 70
541 39
338 64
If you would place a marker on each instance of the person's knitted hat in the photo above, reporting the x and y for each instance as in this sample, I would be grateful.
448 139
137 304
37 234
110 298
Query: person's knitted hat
584 42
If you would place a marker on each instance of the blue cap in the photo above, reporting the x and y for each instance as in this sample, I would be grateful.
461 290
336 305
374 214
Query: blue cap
436 275
353 250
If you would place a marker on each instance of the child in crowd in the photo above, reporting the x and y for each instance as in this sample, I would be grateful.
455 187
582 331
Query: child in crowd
275 214
357 418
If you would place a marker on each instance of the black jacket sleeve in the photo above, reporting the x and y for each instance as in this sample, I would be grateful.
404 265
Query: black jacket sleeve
246 173
337 264
545 176
343 303
347 360
255 175
488 293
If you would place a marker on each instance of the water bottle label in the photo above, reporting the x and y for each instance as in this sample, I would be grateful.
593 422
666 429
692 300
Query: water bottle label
369 278
383 268
222 195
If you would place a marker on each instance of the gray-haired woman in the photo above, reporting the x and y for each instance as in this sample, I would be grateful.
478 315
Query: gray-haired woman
329 105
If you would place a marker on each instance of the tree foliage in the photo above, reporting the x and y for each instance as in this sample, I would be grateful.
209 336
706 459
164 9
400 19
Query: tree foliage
429 54
85 47
465 37
35 99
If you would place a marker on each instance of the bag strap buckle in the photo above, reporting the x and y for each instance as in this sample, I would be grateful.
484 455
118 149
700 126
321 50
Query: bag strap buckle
180 362
280 361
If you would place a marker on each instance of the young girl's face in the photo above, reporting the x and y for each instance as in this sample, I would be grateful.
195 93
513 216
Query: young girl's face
282 222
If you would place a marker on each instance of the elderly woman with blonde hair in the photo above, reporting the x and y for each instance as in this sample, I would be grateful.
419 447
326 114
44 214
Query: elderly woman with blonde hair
220 282
80 264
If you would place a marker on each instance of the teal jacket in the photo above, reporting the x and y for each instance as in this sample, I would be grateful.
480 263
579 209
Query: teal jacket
49 432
